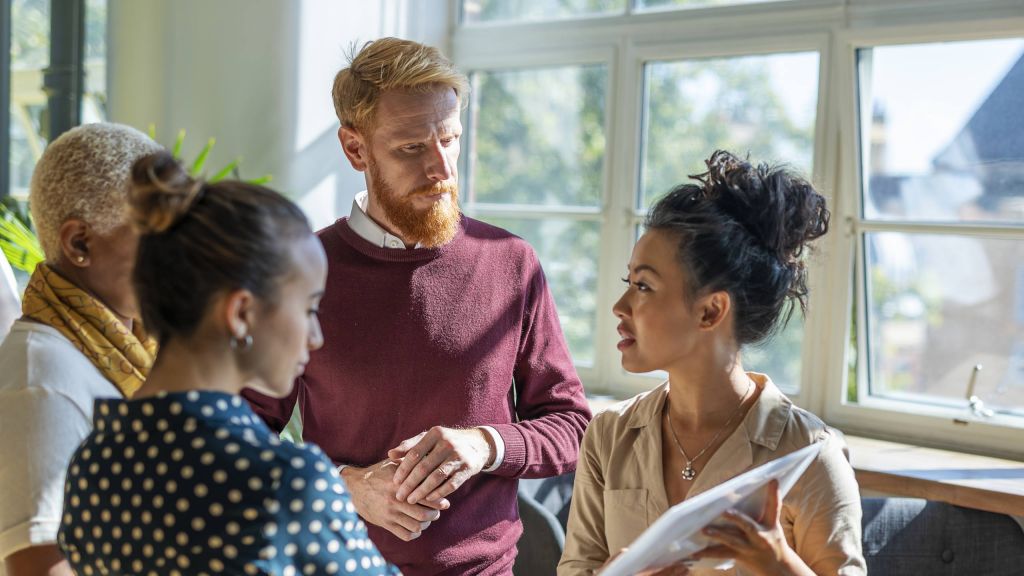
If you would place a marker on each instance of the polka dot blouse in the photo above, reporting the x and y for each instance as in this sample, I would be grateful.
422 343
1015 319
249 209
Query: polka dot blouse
195 483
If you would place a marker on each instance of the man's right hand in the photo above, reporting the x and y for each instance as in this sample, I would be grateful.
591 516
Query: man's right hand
373 493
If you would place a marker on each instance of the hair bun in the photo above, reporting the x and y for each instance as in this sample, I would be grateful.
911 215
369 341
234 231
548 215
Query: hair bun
162 193
779 208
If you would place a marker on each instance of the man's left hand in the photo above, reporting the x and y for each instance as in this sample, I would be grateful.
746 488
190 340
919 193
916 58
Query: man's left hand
436 462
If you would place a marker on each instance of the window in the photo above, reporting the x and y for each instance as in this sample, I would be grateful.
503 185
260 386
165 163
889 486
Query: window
942 241
31 121
537 158
584 113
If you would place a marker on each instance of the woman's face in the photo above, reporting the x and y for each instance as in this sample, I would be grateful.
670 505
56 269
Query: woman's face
657 325
108 276
285 331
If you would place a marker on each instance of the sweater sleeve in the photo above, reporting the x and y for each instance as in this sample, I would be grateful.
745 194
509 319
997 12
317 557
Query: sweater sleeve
550 406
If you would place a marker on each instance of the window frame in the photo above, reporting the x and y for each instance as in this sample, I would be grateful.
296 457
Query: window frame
833 28
936 425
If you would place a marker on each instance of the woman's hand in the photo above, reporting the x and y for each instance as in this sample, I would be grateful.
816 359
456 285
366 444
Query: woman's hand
759 547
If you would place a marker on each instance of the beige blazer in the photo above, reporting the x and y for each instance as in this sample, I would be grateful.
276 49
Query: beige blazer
619 490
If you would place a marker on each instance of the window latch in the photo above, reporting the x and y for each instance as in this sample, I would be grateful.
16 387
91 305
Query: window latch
976 404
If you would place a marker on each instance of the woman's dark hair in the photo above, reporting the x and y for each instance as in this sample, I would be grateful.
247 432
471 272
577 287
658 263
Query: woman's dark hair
743 229
200 239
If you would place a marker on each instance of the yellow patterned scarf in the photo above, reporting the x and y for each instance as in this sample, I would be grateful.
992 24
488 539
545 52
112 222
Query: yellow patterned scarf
123 356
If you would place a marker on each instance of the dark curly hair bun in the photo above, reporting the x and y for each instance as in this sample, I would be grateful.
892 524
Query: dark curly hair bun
744 228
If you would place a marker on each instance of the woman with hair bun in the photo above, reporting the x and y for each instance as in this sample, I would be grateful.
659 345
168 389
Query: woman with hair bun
184 478
719 267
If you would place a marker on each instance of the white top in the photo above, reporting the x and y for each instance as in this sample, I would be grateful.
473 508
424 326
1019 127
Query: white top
46 398
361 223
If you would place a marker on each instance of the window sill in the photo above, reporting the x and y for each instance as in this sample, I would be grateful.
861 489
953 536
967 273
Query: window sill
979 482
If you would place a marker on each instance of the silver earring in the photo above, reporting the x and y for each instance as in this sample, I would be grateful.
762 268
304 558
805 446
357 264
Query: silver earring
80 259
240 343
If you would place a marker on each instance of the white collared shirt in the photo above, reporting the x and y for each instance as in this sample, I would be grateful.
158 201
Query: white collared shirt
361 223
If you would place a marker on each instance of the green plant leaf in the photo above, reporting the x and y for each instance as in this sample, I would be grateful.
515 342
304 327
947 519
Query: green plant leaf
197 166
261 180
176 151
225 171
152 131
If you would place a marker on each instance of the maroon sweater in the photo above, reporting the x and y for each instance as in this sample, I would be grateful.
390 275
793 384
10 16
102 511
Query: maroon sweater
425 337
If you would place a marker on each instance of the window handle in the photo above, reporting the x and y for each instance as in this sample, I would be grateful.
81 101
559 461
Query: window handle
976 404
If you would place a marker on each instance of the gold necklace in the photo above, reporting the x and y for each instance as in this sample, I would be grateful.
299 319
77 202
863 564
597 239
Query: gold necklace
689 473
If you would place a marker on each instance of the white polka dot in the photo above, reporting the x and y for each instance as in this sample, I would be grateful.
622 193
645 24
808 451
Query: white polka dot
242 464
350 565
298 463
232 528
365 563
182 505
267 455
192 395
296 506
332 567
216 509
161 425
319 505
255 483
147 409
171 487
169 520
235 496
158 500
288 570
320 484
215 542
146 517
177 454
220 476
187 472
181 539
206 459
268 553
316 526
175 408
294 527
270 528
312 548
198 523
230 551
207 411
198 442
215 564
231 448
201 490
222 405
250 514
333 546
222 433
290 549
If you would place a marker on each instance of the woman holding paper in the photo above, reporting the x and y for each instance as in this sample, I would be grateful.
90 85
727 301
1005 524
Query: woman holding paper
719 267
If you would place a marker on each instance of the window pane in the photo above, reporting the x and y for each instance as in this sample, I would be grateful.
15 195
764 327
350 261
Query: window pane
671 4
527 10
568 251
94 97
538 145
764 105
30 55
938 306
940 150
780 357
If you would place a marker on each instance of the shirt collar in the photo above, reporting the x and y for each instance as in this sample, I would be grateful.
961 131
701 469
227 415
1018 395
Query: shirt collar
764 423
361 223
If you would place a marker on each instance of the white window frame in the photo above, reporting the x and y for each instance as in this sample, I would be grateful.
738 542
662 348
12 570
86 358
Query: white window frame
834 29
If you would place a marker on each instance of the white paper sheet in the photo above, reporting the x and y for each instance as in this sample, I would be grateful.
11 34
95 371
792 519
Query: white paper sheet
677 534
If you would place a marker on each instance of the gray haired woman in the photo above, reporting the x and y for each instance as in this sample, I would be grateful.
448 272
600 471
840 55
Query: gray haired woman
78 338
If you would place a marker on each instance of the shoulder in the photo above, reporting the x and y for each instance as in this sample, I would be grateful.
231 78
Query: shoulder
618 419
493 238
38 358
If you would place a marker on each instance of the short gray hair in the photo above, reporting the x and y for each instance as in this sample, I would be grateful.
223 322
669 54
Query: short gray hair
85 173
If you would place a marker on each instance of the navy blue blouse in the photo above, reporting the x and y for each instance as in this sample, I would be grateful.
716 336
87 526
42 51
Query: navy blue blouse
195 483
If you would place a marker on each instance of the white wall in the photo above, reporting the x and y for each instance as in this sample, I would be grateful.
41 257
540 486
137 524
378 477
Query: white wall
256 75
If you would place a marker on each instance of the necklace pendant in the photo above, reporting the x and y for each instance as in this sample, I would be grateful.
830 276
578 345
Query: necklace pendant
689 473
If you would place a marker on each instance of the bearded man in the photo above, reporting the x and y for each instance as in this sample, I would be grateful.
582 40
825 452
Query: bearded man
444 375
